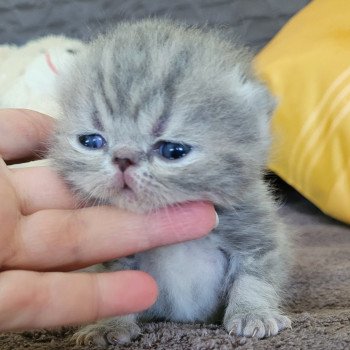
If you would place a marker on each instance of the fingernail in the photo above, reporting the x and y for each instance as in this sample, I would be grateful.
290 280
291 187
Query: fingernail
216 220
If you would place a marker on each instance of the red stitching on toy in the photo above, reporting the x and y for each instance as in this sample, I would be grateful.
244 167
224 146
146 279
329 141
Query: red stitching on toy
50 64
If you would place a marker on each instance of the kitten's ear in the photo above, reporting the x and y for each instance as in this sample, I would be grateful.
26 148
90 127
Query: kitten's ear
258 95
251 89
259 100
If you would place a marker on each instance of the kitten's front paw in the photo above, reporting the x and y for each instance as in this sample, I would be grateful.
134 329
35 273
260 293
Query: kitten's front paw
255 325
106 334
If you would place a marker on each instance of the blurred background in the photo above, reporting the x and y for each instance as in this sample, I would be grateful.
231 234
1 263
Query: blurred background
254 21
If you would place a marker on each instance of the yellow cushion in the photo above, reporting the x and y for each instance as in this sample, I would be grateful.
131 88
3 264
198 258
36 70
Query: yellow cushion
307 66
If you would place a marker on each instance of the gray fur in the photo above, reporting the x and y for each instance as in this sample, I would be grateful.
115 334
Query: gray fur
157 80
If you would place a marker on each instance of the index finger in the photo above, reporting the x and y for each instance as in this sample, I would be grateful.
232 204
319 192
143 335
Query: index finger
66 240
23 133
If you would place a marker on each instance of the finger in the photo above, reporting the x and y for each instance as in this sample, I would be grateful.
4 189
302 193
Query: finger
41 188
24 133
66 239
35 300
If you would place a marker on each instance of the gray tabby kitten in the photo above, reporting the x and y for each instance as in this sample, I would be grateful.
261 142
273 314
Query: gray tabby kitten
157 113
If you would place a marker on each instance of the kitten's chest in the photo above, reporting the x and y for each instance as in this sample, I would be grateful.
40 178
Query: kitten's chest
190 277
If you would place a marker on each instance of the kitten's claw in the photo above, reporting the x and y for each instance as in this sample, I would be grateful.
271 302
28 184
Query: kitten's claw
236 327
255 331
252 325
105 335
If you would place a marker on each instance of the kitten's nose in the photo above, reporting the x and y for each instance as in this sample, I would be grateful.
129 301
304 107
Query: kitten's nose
125 156
123 163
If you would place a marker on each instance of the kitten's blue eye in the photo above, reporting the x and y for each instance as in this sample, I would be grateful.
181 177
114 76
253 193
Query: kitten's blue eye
172 150
94 141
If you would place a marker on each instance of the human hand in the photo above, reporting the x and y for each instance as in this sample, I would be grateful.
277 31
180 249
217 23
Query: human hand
43 237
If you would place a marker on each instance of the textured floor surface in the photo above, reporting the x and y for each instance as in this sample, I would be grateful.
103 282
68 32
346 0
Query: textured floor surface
318 301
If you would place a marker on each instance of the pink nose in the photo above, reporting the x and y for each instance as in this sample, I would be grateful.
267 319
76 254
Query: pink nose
123 163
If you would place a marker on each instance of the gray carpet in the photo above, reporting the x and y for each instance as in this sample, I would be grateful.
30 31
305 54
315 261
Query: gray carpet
318 300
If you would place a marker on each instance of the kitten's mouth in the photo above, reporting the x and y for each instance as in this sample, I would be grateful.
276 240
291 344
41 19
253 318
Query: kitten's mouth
126 187
128 183
128 192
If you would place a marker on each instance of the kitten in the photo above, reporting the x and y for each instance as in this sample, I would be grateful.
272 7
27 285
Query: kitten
157 113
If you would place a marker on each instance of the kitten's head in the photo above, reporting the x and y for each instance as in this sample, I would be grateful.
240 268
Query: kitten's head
156 113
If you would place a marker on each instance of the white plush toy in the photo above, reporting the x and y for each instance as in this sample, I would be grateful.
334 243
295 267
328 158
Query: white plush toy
29 76
29 73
